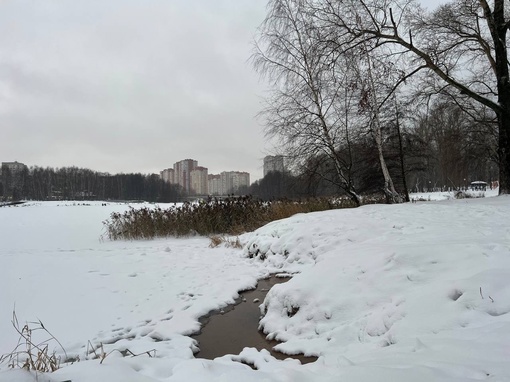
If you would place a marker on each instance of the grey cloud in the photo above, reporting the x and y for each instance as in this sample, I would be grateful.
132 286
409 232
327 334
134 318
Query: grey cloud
130 85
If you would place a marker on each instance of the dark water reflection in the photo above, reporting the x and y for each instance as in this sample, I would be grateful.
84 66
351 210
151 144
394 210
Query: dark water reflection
237 327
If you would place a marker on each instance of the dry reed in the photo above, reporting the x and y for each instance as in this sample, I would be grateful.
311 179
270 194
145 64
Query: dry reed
229 216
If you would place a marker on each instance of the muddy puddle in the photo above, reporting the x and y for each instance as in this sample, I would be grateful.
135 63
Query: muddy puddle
235 327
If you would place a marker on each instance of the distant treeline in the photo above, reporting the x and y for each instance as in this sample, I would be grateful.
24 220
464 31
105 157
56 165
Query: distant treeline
38 183
442 150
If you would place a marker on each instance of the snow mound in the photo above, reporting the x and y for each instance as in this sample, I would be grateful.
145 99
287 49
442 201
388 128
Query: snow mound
388 286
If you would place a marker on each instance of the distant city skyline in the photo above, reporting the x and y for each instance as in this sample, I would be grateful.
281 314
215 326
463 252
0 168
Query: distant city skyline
196 180
259 169
127 171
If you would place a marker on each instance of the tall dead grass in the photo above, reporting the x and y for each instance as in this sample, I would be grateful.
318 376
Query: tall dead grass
229 216
31 354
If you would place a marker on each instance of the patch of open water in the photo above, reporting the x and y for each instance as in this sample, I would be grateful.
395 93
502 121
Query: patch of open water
229 330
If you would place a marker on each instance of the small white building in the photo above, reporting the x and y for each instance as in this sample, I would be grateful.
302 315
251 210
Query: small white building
478 185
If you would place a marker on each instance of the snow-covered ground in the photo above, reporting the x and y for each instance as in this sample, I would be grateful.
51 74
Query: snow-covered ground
412 292
448 195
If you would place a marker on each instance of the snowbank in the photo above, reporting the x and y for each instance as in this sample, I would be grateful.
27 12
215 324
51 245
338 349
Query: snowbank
393 293
419 290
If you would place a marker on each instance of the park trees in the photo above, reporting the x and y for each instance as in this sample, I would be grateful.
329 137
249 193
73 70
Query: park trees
323 99
310 107
313 49
459 50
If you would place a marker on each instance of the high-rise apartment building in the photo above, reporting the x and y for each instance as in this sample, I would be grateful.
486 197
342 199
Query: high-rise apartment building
232 181
195 180
273 163
167 175
12 167
198 178
240 179
182 173
12 179
214 184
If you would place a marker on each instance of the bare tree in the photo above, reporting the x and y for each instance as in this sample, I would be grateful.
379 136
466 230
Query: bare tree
373 75
311 108
461 47
460 149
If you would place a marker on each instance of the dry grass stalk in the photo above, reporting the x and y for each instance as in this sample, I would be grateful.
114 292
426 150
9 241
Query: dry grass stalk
102 355
31 355
229 242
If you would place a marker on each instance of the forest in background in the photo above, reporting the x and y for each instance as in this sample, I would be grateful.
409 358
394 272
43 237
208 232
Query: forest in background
73 183
441 150
374 96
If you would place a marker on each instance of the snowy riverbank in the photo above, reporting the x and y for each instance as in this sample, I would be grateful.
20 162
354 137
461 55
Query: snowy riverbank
407 292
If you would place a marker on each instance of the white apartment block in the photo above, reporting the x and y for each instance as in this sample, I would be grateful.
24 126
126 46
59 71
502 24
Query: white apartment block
273 163
168 175
241 179
214 184
231 181
195 179
198 178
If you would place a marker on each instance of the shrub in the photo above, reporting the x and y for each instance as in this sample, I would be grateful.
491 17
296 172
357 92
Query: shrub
229 216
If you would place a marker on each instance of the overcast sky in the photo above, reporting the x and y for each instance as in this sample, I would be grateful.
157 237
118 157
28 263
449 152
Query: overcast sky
130 85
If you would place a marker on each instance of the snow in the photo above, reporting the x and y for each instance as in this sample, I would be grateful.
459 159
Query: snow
448 195
417 291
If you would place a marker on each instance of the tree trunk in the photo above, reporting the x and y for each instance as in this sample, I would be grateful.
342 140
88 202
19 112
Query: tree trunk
389 189
498 28
401 155
504 151
503 99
